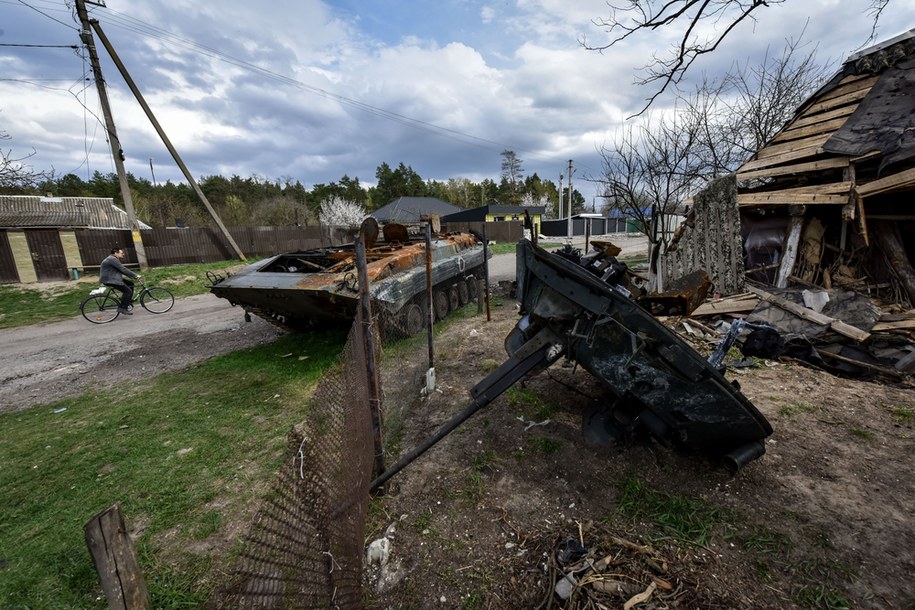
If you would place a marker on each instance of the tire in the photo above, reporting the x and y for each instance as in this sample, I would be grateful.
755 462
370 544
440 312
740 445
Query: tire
440 302
157 300
100 309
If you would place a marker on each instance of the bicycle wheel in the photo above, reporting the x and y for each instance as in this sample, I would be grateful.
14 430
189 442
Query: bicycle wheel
100 309
157 300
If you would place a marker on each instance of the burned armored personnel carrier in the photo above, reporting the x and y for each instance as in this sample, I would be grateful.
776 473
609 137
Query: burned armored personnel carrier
296 290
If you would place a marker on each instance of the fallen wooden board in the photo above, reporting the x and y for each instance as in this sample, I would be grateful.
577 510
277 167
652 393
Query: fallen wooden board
838 326
895 325
726 306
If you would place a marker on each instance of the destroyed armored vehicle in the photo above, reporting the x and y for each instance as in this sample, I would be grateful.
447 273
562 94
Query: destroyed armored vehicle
581 308
296 290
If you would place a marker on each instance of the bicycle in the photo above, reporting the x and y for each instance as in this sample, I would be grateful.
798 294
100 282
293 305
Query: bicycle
102 304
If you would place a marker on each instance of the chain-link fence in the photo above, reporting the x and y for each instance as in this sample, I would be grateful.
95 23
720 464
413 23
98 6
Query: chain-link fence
304 549
305 546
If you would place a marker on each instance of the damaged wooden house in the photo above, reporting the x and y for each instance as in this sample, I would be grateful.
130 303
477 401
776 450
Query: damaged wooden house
826 206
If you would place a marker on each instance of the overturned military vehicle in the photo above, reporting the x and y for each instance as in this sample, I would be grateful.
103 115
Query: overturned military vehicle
581 308
296 290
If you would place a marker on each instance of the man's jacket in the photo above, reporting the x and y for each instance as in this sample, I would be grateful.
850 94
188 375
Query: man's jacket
112 271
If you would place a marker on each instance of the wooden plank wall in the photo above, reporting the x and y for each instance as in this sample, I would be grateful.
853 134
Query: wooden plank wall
713 242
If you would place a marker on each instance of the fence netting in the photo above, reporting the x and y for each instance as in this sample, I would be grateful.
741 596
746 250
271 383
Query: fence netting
304 548
306 544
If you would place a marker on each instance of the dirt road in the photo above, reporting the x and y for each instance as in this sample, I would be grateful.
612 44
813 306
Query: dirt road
502 266
48 362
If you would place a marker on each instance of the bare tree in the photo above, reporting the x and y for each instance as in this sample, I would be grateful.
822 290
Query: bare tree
739 114
688 18
16 176
339 211
649 171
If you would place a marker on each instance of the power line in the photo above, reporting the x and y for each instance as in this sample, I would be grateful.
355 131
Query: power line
40 46
138 26
37 10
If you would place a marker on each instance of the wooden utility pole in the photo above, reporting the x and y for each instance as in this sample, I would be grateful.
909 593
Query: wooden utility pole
117 152
168 144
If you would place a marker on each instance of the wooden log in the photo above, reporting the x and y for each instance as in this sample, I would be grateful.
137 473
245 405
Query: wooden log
838 326
789 252
864 365
890 243
115 560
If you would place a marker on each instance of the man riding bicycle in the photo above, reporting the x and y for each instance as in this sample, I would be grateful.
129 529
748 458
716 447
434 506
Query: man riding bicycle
112 275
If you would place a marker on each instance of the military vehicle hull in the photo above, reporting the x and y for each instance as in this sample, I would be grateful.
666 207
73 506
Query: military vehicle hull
660 384
297 290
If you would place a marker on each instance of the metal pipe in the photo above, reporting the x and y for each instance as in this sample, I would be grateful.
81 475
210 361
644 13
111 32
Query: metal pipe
368 341
486 272
429 295
742 456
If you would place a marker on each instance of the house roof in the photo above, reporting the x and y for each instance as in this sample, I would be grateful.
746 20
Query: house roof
18 211
851 139
413 209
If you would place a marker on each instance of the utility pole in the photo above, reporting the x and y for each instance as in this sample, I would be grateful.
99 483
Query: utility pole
168 144
560 195
569 223
117 152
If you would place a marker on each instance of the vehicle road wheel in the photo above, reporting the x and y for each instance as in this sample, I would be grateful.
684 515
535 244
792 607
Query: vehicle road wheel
100 309
440 301
463 292
472 288
157 300
412 319
454 300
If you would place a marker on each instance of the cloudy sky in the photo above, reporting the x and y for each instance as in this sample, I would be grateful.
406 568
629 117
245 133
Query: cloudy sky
314 90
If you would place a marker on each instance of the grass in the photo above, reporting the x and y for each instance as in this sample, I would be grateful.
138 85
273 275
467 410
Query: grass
680 516
796 408
861 433
546 445
528 403
816 577
22 305
903 415
183 453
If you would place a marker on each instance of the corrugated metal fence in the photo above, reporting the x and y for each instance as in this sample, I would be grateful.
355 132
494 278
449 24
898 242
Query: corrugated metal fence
178 246
163 247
